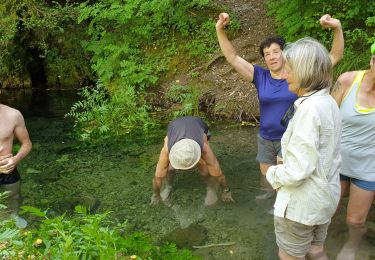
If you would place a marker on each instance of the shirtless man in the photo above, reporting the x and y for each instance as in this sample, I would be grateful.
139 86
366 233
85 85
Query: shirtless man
12 126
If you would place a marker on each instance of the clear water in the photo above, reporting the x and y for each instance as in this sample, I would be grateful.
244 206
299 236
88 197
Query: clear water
117 176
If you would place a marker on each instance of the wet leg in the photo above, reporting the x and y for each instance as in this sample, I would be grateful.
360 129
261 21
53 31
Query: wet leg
285 256
14 203
360 202
14 197
316 252
211 182
344 191
167 185
264 183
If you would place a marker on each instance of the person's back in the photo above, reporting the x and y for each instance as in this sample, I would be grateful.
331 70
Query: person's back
318 117
308 180
189 127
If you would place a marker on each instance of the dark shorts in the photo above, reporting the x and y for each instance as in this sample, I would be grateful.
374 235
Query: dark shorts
268 151
364 185
10 178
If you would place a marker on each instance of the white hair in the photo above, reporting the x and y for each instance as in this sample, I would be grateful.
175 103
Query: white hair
310 63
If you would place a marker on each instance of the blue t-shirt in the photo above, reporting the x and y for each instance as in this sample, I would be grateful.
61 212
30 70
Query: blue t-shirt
274 100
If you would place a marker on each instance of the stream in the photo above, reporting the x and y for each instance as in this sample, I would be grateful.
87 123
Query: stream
116 176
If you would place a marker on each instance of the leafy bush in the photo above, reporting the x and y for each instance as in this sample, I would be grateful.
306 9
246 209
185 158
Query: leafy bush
131 44
298 18
100 114
82 236
187 99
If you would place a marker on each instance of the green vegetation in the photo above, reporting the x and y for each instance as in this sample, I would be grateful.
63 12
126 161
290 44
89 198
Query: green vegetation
82 236
187 98
120 50
39 43
298 18
131 45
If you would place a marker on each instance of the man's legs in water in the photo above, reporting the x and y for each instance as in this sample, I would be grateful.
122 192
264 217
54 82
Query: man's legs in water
13 202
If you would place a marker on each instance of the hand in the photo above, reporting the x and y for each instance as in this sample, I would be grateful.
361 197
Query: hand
279 160
227 197
326 21
223 21
155 200
7 165
4 159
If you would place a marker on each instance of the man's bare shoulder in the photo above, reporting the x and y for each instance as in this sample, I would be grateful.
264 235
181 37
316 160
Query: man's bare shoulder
9 112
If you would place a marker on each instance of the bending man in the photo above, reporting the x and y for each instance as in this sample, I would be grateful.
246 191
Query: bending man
186 146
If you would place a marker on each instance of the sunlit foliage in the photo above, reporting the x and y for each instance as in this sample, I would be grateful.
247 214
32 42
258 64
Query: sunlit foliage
299 18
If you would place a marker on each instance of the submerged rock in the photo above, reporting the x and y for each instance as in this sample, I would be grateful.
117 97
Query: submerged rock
193 235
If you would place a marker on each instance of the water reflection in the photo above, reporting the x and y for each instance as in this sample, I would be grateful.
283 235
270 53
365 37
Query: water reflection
43 103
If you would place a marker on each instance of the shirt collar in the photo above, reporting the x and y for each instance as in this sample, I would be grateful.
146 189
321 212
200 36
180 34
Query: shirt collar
322 92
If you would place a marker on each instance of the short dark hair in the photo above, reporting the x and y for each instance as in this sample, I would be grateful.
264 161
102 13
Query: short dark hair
269 40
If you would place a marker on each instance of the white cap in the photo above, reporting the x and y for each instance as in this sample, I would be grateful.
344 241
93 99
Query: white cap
184 154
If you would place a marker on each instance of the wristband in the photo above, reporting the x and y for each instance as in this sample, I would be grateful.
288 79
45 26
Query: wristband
226 190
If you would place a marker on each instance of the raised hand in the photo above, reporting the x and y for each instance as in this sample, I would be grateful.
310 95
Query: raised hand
223 21
326 21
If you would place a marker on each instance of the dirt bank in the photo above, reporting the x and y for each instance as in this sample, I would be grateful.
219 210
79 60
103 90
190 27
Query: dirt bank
224 93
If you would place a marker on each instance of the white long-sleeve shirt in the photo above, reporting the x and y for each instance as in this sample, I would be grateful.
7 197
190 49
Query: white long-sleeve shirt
308 181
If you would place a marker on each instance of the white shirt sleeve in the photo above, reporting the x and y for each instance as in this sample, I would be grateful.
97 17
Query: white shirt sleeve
300 150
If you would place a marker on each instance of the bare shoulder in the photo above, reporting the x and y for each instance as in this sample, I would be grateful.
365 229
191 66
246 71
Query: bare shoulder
346 79
11 114
9 111
342 85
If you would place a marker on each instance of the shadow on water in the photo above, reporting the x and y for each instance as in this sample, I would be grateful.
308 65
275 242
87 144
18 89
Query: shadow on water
117 175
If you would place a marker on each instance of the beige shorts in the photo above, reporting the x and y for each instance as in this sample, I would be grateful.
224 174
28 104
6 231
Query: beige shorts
296 238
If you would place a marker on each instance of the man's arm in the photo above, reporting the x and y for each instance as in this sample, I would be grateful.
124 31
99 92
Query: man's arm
22 135
160 173
337 50
214 170
244 68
